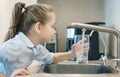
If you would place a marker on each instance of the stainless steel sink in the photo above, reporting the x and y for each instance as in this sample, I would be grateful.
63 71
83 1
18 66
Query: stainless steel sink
79 69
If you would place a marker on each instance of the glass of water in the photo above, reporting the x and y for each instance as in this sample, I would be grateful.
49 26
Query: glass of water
81 53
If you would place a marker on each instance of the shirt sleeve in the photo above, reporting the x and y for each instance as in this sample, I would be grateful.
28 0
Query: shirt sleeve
44 55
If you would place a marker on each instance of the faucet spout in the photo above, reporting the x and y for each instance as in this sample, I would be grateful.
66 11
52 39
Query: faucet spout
102 29
96 28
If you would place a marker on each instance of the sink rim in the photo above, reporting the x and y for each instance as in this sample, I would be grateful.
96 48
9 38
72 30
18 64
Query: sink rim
114 71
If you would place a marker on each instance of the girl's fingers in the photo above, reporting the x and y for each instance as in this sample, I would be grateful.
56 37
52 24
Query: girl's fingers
20 72
76 47
24 72
81 41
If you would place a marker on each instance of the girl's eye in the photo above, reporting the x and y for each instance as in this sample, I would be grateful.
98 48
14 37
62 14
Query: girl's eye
54 27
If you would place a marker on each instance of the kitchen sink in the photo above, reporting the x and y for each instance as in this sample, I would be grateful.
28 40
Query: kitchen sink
79 69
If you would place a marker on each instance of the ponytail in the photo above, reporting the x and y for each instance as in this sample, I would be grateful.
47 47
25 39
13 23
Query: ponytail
16 19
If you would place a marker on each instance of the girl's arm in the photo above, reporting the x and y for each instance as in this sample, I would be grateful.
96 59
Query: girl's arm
66 55
62 56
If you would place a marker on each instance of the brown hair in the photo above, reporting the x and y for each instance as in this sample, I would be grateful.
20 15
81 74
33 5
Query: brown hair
24 17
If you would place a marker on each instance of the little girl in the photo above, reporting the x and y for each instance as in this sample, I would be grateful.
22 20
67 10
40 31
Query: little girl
30 27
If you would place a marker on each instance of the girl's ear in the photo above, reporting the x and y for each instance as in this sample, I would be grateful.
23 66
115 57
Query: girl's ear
38 26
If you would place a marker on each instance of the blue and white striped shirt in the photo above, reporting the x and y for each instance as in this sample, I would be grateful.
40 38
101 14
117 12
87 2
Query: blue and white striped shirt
19 52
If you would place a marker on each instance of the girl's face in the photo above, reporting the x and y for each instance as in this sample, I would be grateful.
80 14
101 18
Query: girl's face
48 30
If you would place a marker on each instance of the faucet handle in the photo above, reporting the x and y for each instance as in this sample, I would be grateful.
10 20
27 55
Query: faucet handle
104 59
115 60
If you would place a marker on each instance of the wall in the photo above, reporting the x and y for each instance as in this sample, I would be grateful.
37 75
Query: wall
5 14
68 11
112 13
112 19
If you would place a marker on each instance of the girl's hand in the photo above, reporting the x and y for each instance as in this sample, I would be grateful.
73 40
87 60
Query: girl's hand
78 46
2 75
20 72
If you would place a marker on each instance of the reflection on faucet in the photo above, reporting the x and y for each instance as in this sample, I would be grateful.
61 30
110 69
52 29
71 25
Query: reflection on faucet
102 29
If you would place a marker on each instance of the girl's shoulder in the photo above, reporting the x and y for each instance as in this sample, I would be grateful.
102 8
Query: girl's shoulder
12 44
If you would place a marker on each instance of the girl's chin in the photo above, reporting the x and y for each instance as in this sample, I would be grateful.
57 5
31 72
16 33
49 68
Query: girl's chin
49 41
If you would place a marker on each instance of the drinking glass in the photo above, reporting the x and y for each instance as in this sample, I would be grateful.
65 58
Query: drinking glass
81 53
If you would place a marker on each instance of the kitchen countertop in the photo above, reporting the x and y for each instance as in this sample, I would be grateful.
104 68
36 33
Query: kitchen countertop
75 75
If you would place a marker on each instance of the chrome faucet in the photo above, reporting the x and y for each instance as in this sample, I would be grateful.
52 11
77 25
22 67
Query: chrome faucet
102 29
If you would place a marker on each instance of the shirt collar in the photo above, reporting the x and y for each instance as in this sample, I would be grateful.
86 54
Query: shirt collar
26 40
